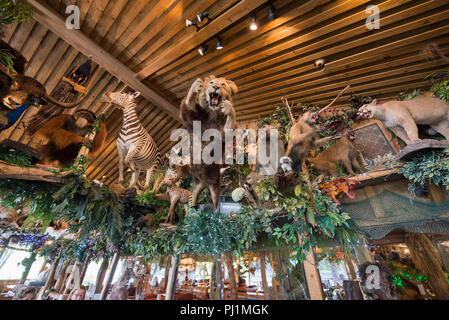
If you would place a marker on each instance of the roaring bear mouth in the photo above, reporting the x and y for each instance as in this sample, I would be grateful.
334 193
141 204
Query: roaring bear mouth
215 100
10 103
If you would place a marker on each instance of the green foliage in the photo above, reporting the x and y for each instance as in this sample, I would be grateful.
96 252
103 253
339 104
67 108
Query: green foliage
15 157
7 59
441 89
409 95
386 161
14 11
304 224
432 167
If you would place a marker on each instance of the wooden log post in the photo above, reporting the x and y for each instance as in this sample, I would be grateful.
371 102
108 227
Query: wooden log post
62 276
425 258
74 277
172 276
263 271
312 276
231 274
28 268
51 276
101 274
114 263
84 269
363 254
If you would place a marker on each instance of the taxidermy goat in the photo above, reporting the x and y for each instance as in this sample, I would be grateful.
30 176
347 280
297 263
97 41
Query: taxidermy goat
60 139
341 152
209 101
136 148
402 117
176 193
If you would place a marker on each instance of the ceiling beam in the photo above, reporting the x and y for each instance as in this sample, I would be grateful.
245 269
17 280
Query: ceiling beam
195 39
79 41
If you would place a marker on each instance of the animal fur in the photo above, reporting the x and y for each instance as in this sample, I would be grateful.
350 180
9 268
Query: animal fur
402 117
60 139
209 100
341 152
176 193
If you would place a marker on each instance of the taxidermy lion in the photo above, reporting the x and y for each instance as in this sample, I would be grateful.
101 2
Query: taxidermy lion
209 100
401 117
341 152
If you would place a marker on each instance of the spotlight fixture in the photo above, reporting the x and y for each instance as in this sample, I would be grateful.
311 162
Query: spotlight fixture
219 44
271 13
320 63
202 16
253 25
190 23
202 50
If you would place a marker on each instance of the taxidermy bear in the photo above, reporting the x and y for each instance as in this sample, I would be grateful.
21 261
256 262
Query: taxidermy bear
209 100
401 117
61 138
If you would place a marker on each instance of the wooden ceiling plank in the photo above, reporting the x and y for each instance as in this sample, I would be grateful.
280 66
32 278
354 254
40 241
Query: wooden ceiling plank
391 91
178 31
38 60
291 49
380 50
416 76
150 12
398 66
81 42
195 39
21 34
277 39
235 37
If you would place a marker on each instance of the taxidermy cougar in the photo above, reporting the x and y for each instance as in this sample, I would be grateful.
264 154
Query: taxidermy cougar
401 117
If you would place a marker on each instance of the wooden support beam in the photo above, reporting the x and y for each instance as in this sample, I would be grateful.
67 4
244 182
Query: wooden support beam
50 279
172 275
114 263
195 39
313 278
78 40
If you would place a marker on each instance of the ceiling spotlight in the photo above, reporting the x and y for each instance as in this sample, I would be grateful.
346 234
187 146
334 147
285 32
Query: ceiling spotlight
202 16
219 45
202 50
271 13
253 25
191 23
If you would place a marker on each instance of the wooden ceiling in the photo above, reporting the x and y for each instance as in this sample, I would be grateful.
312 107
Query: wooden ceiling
148 40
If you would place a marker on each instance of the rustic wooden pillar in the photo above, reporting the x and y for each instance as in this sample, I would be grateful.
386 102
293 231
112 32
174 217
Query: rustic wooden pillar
231 274
312 277
114 263
83 269
425 258
74 274
62 276
51 276
28 268
172 276
4 248
263 272
101 274
44 264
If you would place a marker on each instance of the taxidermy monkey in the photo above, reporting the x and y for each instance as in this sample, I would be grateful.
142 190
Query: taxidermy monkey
209 100
61 137
341 152
401 117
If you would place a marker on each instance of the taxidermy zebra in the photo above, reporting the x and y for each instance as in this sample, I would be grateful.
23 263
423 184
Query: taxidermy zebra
136 148
176 193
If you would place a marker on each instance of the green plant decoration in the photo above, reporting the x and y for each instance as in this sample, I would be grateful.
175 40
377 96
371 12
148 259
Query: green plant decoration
14 11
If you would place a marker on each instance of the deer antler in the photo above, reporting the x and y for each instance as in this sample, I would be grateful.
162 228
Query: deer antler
289 110
339 95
